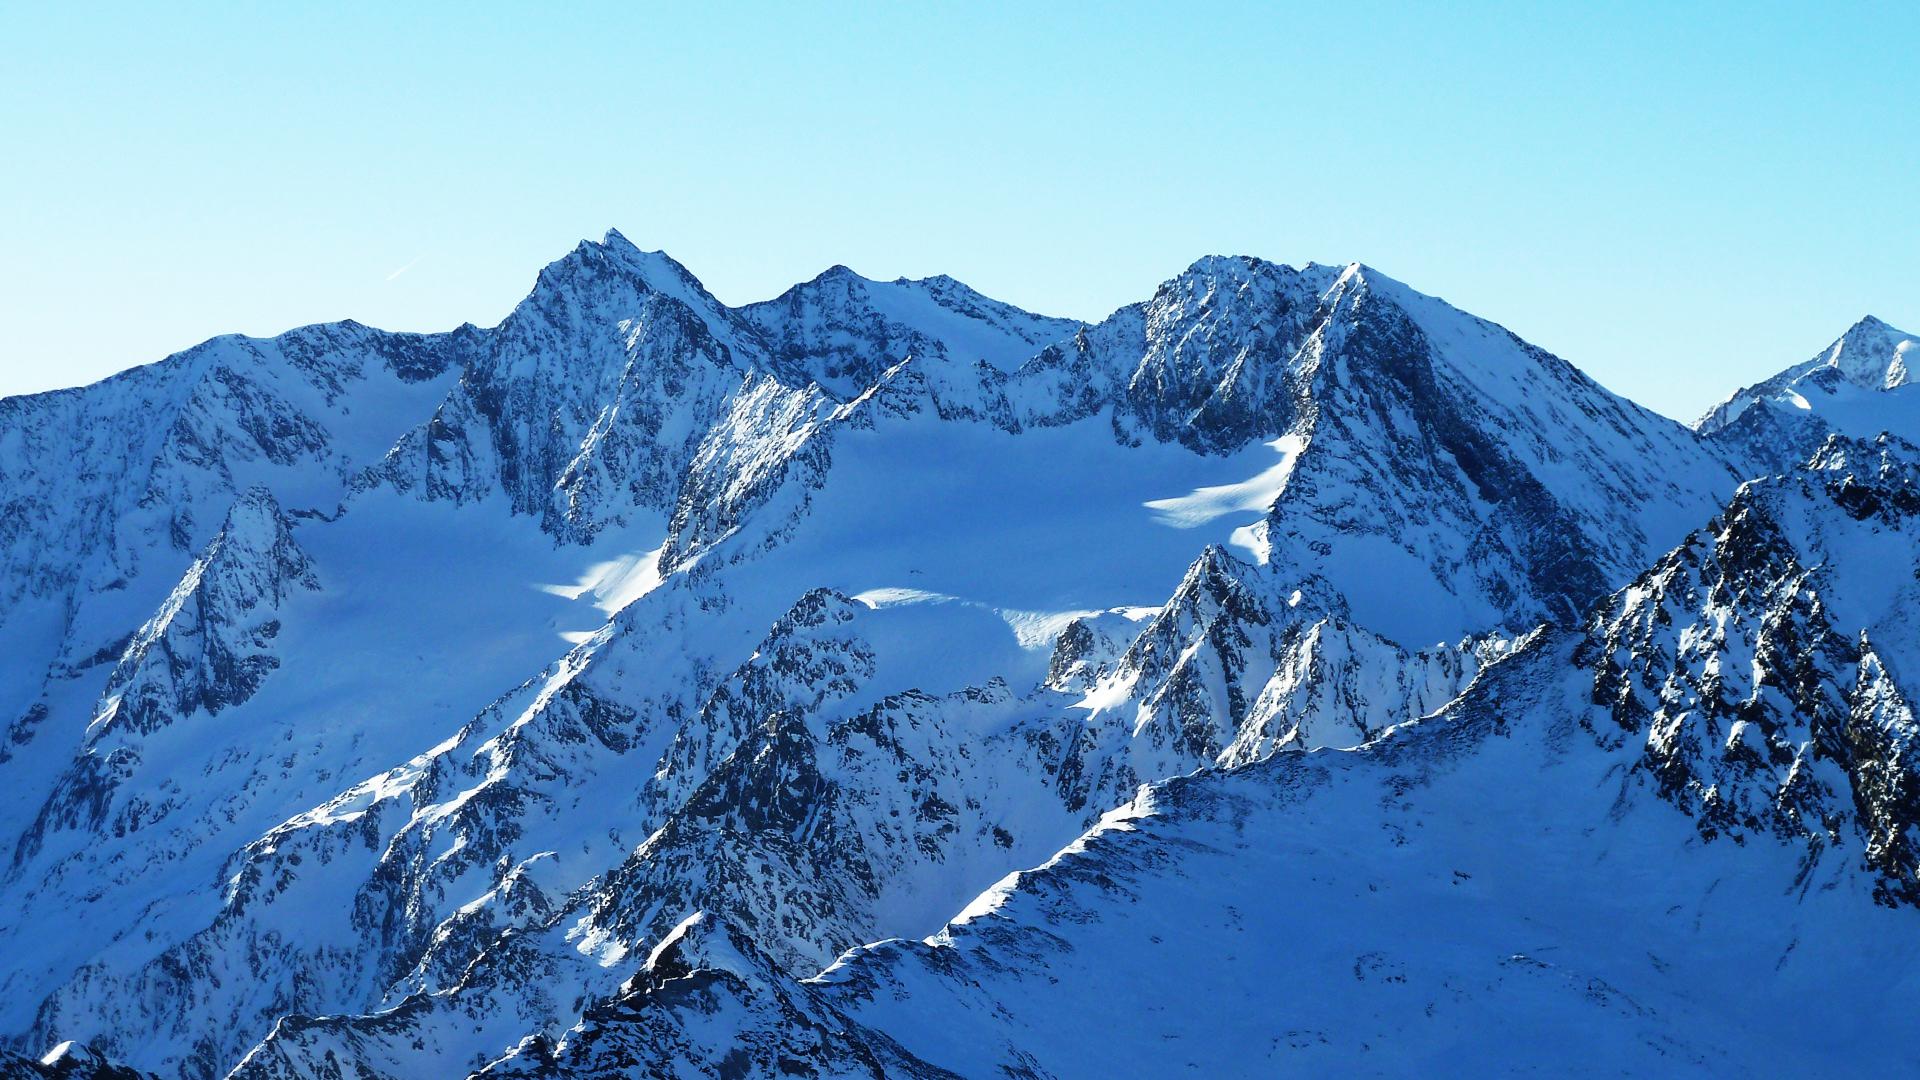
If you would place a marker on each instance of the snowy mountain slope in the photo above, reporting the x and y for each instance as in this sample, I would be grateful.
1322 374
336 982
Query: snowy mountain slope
87 472
841 331
1458 479
710 968
110 489
1791 721
1859 387
1384 909
1232 668
207 649
840 606
384 650
717 967
332 907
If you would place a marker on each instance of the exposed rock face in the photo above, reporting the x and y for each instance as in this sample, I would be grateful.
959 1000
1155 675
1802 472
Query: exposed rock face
1221 364
1748 662
586 404
1234 667
212 642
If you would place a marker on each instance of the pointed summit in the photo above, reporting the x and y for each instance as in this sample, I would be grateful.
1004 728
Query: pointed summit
1872 354
836 273
701 942
611 277
1855 387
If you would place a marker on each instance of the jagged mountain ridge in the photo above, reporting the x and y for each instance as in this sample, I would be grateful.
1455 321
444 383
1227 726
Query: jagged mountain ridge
690 468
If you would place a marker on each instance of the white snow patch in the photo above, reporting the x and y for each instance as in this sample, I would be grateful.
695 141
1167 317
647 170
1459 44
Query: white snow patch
615 583
1253 540
893 597
1256 493
1031 629
1040 629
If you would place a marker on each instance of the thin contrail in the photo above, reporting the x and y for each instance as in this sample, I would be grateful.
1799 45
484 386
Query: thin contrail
404 269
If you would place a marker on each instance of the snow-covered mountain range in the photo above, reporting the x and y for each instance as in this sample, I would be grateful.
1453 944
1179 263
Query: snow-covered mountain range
1288 673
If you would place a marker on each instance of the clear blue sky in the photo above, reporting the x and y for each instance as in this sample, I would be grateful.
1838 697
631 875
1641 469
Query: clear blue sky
1677 197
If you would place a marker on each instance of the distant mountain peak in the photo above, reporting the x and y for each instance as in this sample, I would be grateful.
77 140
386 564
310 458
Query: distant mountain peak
1872 354
615 258
1856 387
